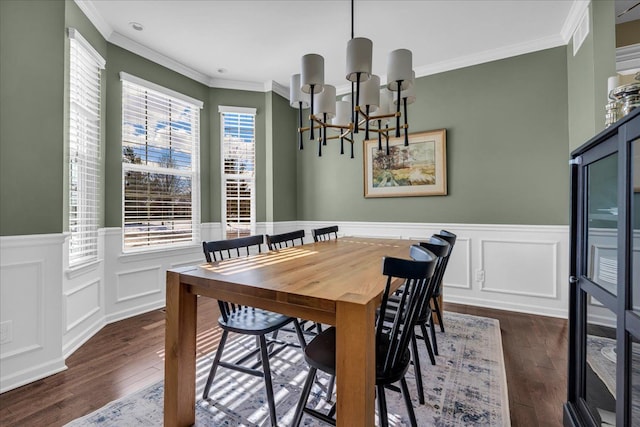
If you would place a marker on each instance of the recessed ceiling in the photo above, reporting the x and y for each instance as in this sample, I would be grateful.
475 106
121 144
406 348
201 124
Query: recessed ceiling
257 42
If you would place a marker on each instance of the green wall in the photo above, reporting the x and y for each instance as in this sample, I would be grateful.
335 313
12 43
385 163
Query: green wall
587 74
32 54
509 126
507 156
283 160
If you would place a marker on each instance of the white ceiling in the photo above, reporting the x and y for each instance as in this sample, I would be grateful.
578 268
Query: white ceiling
260 42
623 14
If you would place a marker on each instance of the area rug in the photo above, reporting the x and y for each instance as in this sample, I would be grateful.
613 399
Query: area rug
601 357
467 387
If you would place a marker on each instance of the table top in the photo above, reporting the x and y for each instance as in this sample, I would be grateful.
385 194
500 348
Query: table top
304 281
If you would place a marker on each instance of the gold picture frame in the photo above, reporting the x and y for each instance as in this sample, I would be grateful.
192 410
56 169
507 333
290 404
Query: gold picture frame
419 169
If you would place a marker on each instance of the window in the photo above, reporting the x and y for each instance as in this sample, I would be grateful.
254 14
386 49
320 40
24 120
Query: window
160 166
85 65
238 170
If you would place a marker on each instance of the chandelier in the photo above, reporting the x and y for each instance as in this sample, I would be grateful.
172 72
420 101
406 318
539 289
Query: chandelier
368 108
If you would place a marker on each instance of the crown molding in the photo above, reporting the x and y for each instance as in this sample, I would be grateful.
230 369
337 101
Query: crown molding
219 83
573 19
491 55
152 55
628 58
88 8
276 87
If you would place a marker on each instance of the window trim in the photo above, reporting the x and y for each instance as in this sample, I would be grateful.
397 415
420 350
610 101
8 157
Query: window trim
223 109
89 168
194 173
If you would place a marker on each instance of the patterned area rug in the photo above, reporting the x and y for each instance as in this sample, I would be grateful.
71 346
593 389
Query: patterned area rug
467 387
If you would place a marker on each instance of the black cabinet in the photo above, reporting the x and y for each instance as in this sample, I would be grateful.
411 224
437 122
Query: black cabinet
604 312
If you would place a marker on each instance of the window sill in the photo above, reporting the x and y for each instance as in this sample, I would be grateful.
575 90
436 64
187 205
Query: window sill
157 253
75 271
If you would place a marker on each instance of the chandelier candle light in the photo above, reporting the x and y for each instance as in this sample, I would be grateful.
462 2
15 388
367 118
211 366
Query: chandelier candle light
308 90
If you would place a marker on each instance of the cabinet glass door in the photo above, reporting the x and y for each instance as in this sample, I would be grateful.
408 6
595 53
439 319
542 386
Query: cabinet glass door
635 225
602 223
600 370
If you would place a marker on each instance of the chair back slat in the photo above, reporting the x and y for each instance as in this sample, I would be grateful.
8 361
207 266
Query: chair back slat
284 240
451 239
215 250
324 233
395 337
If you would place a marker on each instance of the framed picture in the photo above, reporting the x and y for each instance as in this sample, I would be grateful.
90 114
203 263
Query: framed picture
419 169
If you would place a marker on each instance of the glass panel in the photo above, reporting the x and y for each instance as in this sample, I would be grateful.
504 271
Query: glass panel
600 375
602 223
635 382
635 215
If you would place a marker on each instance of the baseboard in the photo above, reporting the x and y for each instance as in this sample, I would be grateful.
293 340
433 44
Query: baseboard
32 374
125 314
508 306
76 343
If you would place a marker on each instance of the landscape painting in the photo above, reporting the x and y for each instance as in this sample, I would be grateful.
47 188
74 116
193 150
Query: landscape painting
418 169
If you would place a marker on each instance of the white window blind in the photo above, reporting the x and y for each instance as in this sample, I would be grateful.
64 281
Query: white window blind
85 66
160 165
238 170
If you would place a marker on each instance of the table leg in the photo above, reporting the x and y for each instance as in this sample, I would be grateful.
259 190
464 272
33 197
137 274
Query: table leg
180 354
355 363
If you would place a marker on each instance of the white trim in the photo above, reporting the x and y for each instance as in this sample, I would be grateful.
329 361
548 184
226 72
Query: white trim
276 87
237 110
236 84
627 58
573 19
83 269
160 59
31 374
75 35
30 240
87 7
160 89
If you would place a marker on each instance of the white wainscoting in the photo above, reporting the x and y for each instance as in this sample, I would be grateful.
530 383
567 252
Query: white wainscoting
521 268
54 309
135 282
30 299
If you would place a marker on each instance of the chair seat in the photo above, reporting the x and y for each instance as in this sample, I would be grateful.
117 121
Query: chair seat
320 353
254 321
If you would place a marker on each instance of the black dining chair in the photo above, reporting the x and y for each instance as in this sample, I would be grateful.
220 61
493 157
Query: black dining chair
324 233
393 337
285 240
439 248
437 292
248 321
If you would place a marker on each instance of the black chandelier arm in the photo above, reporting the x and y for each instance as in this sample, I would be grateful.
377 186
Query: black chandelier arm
399 82
323 130
311 135
300 145
356 100
406 125
366 123
379 136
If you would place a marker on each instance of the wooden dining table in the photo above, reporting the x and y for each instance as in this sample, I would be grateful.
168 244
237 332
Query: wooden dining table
337 282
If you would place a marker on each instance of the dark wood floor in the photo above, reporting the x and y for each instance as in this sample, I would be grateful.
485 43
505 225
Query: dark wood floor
128 355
